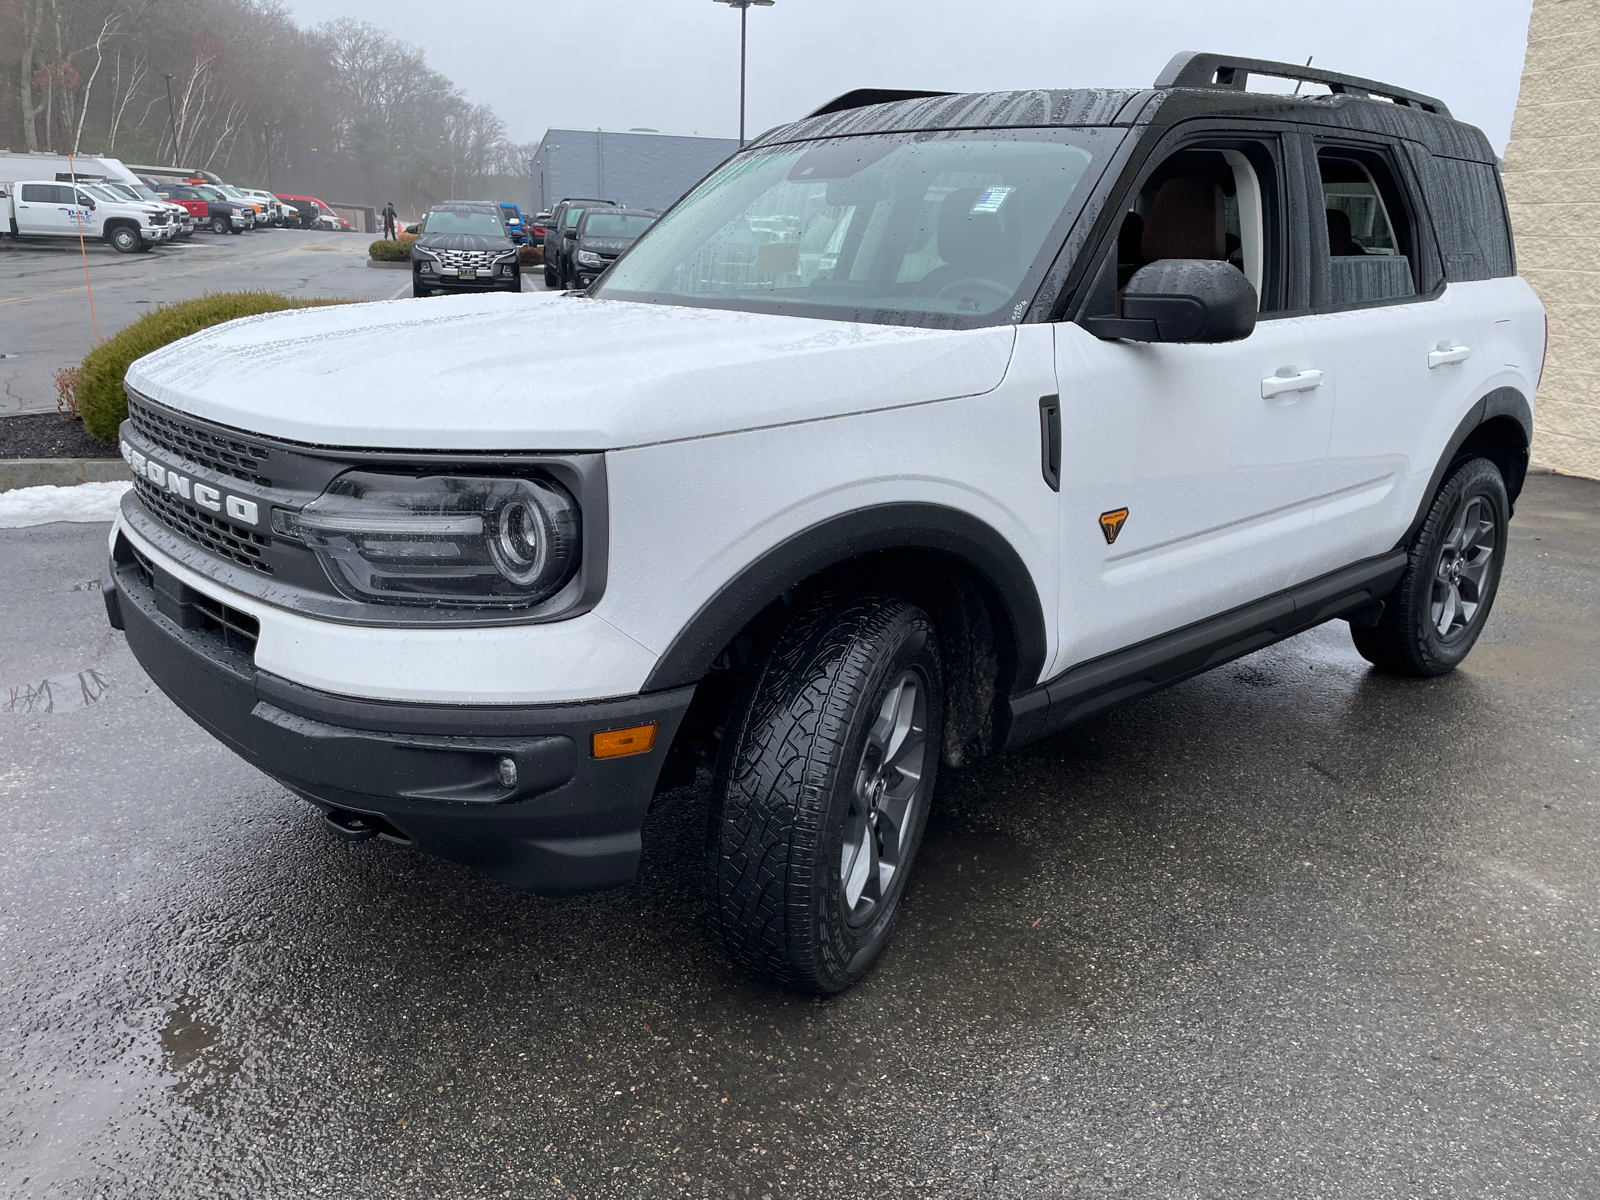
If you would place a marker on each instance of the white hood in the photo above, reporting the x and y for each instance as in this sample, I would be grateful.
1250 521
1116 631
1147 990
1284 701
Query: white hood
546 372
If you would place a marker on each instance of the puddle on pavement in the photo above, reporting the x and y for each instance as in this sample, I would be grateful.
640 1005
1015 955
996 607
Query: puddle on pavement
1546 641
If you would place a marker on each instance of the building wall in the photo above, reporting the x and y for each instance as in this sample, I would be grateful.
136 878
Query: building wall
641 170
1552 180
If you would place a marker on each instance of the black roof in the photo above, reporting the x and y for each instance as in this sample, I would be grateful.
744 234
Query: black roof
1191 85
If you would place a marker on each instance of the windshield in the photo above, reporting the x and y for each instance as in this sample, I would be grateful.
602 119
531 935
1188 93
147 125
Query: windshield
443 220
926 228
124 192
210 193
615 225
102 193
141 191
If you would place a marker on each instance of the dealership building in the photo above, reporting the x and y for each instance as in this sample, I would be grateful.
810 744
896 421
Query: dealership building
639 169
1552 178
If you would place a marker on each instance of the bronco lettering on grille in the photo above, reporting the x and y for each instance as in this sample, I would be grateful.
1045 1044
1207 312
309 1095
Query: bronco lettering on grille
239 509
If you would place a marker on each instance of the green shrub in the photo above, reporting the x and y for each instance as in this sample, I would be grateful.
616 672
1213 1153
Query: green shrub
384 250
100 396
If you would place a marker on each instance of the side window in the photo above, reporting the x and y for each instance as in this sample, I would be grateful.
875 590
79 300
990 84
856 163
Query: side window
1208 203
1469 215
38 193
1368 253
574 215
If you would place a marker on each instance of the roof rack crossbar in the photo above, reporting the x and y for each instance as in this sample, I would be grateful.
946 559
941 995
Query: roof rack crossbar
1194 69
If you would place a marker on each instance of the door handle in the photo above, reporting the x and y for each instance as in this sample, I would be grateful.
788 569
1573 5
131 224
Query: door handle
1290 379
1447 354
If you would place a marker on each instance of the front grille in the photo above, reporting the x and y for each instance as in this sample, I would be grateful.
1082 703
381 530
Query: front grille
477 260
236 630
220 537
226 454
158 218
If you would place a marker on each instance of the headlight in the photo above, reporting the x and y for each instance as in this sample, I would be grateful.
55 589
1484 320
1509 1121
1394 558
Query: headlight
588 258
424 252
460 540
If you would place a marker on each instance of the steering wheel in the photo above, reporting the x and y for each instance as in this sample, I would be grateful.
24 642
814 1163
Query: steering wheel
999 292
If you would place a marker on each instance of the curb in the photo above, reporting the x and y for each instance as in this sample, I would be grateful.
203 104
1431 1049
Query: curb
59 472
389 266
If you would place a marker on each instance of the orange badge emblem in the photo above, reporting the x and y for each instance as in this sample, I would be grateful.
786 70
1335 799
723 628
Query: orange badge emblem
1111 523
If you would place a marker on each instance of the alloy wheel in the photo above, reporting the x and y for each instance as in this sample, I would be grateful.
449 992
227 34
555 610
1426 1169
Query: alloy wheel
883 802
1464 562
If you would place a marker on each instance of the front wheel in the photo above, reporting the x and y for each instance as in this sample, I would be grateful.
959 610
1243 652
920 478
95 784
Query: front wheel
1433 617
551 281
418 292
125 240
822 790
219 224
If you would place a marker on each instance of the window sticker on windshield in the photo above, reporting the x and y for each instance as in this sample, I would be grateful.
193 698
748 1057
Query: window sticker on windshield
991 198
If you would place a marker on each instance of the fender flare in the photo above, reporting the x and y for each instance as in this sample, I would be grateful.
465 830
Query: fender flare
911 526
1501 403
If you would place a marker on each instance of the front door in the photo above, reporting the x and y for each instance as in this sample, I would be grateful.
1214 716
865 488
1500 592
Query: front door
1190 474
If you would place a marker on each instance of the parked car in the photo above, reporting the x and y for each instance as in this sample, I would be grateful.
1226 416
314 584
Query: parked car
996 434
222 214
516 224
182 217
464 246
314 214
188 199
270 206
561 233
603 234
537 233
43 209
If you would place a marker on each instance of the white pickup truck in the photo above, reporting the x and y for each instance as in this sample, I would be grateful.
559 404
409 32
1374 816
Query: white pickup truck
46 209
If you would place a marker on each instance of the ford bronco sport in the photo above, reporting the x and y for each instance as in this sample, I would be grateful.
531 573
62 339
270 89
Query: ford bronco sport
922 428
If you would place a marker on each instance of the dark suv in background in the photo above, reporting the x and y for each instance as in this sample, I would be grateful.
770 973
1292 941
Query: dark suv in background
604 233
561 236
464 246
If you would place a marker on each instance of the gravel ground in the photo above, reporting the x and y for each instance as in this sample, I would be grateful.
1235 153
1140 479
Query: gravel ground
1289 929
48 435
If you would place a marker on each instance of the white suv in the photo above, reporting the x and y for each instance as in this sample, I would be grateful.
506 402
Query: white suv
922 428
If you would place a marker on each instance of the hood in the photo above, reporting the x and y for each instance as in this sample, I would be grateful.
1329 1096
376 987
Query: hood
542 371
462 241
605 245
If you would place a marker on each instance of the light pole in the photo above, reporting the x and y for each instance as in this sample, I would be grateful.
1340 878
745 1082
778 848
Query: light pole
744 18
177 159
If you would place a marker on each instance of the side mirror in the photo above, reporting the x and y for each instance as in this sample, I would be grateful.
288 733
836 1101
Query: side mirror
1183 300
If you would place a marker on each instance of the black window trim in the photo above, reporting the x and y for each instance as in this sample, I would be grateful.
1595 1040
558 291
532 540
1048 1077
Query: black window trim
1426 259
1273 137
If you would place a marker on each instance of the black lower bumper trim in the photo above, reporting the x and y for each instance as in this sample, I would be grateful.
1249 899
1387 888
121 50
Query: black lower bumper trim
431 775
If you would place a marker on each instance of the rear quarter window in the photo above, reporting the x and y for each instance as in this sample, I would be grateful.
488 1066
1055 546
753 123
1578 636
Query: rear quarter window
1469 216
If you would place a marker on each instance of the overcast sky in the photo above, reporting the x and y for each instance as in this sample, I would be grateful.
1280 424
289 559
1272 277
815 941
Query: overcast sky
673 65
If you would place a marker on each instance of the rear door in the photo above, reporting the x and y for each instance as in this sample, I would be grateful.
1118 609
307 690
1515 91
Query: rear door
1410 350
1190 474
47 210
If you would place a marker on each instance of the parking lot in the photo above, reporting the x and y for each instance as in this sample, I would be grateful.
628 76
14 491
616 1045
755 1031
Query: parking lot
45 321
1289 929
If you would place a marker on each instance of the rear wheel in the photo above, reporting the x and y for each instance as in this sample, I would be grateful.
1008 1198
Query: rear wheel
125 240
821 792
1433 617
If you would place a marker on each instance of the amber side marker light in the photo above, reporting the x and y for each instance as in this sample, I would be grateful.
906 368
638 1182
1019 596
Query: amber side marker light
619 743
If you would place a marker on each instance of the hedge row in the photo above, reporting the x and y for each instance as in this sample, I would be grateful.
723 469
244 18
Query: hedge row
101 399
387 250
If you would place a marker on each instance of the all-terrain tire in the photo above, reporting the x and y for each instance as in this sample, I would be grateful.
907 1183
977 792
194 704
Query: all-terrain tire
789 802
1433 617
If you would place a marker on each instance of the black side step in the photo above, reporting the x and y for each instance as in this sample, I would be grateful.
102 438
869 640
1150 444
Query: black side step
1101 683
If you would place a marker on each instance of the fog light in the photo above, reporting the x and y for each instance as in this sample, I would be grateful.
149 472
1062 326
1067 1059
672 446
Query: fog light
619 743
506 271
426 268
506 771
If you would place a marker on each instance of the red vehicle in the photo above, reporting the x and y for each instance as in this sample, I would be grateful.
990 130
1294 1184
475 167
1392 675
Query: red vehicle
314 214
180 195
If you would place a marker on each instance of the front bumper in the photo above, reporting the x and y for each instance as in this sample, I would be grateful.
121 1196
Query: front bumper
242 220
446 279
424 775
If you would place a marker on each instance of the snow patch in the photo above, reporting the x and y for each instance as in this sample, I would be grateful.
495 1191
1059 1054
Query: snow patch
82 502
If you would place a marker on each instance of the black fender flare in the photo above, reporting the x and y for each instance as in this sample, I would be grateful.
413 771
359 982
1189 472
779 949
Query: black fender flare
1501 403
910 526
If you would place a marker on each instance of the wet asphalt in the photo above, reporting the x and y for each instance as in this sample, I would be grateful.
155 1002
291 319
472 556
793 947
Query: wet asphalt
1290 929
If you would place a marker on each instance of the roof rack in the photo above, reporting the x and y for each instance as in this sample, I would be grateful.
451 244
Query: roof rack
862 97
1201 70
